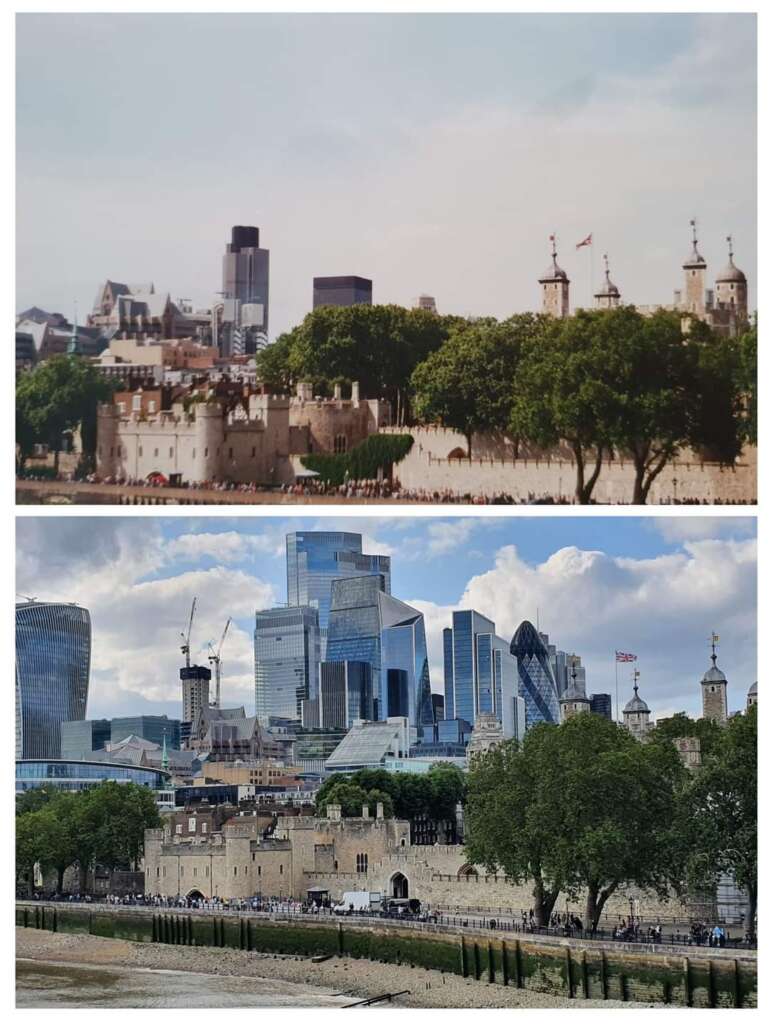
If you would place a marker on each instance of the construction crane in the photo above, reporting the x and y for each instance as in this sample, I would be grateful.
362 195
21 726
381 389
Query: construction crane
215 657
186 637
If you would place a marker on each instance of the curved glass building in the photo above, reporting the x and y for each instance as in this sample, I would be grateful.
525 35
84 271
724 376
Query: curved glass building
53 661
77 775
536 683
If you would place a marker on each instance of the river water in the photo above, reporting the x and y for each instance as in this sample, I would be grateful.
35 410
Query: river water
45 984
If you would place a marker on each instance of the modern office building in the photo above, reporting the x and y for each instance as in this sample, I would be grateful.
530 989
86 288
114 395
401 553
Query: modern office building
154 728
439 707
600 704
53 662
371 745
286 659
79 739
245 306
314 559
196 686
562 666
536 683
74 775
479 672
341 291
367 624
344 694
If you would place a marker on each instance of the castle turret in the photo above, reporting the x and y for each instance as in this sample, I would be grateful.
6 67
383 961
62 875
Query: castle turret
752 695
573 701
694 277
107 420
732 287
636 714
555 288
607 296
209 441
714 684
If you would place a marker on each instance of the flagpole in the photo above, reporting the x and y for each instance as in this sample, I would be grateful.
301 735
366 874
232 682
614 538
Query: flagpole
592 290
616 686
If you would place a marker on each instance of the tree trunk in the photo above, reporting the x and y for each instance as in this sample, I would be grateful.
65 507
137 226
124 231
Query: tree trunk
584 489
469 439
544 901
639 498
750 917
59 880
56 462
596 901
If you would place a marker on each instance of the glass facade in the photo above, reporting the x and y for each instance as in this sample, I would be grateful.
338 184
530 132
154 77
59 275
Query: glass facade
600 704
536 683
367 624
315 559
76 775
53 662
345 693
480 675
78 739
286 659
148 727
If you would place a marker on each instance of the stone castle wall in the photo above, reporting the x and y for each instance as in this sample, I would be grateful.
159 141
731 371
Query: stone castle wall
493 469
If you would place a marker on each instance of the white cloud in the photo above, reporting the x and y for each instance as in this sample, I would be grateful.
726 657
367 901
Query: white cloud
687 527
661 609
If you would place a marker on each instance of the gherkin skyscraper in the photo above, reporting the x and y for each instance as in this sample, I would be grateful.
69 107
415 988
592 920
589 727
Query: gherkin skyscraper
536 683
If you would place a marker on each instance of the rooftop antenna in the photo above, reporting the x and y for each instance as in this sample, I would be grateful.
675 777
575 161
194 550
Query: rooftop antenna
186 637
215 657
714 641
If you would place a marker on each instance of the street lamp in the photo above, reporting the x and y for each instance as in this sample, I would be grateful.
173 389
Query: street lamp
675 484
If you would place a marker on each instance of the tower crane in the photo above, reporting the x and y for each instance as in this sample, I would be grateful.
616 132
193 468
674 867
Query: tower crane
186 637
215 657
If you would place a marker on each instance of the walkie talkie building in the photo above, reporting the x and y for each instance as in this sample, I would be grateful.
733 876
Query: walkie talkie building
53 662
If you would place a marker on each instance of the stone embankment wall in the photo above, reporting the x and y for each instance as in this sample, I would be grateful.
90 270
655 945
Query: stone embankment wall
493 470
563 968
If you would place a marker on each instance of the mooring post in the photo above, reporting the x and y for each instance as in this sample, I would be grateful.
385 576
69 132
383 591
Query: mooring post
518 971
463 955
711 986
737 992
687 983
604 977
492 973
505 977
569 991
584 974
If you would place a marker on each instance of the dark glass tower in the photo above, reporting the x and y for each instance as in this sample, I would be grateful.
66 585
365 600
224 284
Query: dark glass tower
341 291
53 662
286 656
535 678
246 273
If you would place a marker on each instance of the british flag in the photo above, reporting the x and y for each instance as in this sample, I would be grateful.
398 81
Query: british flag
622 656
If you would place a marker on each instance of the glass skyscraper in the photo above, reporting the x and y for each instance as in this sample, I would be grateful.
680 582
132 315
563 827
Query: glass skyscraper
367 624
53 662
480 675
536 683
286 659
315 559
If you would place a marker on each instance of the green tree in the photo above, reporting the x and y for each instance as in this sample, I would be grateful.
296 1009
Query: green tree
747 381
60 395
509 820
680 725
28 848
563 390
58 844
720 809
614 804
350 797
467 384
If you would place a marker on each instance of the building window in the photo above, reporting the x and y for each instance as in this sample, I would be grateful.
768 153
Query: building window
230 452
152 405
170 453
259 869
361 863
193 453
157 452
192 825
204 827
253 453
158 873
253 856
136 403
281 869
235 870
141 451
164 872
195 872
340 444
178 830
206 453
181 872
121 406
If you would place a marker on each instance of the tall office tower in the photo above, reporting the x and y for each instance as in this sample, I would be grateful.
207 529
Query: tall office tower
600 704
245 291
480 676
315 559
367 624
286 658
562 666
341 291
344 694
439 707
536 683
196 685
53 662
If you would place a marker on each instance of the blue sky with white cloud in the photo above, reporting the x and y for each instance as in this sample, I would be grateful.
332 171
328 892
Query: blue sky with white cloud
433 153
653 586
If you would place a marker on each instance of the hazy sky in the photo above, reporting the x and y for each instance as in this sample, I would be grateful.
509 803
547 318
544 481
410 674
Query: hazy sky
432 153
654 587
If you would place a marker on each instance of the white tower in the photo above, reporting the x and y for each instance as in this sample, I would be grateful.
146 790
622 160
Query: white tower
636 714
694 277
732 287
607 296
555 288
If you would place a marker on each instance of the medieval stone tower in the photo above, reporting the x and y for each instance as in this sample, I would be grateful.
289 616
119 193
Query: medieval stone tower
732 287
573 700
555 288
607 296
714 684
752 695
694 299
636 714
